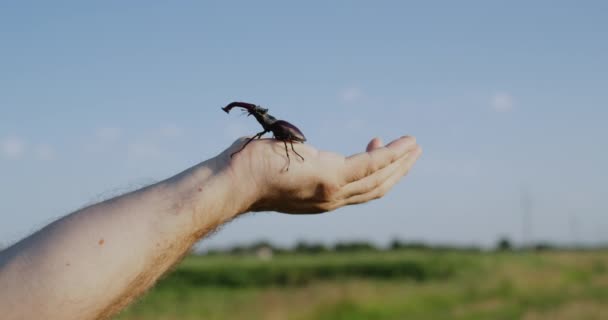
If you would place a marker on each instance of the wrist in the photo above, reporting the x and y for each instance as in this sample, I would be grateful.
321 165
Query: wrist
209 194
236 175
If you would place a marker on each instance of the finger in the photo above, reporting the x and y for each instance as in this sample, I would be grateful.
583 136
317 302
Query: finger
385 186
363 164
375 143
374 180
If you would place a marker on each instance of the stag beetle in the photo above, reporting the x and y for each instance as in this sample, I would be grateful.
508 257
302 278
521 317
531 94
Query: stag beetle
281 129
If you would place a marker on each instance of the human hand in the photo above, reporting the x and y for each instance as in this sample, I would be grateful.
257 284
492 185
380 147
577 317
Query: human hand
323 181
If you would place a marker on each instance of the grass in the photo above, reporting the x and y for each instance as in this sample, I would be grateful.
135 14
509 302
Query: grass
383 285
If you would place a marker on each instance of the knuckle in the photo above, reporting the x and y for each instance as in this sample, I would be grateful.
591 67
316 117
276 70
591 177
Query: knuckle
326 206
372 184
393 155
378 194
368 171
377 182
410 139
326 191
372 167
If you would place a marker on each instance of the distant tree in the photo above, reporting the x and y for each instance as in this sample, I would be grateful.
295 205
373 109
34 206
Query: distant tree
252 248
504 244
214 252
313 248
543 246
237 249
398 244
354 246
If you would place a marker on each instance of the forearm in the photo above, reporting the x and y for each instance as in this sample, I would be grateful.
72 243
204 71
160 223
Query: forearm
94 261
91 263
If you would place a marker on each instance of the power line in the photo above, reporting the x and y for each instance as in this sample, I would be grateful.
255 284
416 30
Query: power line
526 225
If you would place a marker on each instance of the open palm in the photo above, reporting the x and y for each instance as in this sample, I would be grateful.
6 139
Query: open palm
323 181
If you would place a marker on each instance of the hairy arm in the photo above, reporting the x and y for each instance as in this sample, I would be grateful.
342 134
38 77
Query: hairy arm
90 264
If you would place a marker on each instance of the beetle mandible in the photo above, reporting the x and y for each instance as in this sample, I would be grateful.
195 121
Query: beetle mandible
281 129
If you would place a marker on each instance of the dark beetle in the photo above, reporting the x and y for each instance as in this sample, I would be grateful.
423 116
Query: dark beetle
281 129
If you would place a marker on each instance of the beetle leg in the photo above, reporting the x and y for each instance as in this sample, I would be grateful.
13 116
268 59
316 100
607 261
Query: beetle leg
287 153
294 150
257 136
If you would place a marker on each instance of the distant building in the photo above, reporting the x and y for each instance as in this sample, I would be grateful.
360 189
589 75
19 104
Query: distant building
264 253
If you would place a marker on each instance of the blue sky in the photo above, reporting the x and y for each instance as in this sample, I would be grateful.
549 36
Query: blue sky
504 97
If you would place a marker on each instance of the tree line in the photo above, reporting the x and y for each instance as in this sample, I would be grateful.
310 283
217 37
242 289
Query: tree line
311 247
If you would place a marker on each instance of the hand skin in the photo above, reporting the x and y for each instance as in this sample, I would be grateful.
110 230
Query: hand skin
92 263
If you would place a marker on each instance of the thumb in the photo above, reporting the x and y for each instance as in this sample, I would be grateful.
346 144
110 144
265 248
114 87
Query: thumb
375 143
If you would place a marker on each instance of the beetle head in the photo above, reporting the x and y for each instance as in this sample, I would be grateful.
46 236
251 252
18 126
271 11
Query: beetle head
258 110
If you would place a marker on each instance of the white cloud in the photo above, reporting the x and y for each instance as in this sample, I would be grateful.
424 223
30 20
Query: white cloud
502 102
171 131
12 147
142 151
350 95
104 138
108 134
44 152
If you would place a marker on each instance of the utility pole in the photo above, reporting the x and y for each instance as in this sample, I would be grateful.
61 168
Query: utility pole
526 225
574 230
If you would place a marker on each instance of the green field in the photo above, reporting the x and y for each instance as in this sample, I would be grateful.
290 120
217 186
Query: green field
405 284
